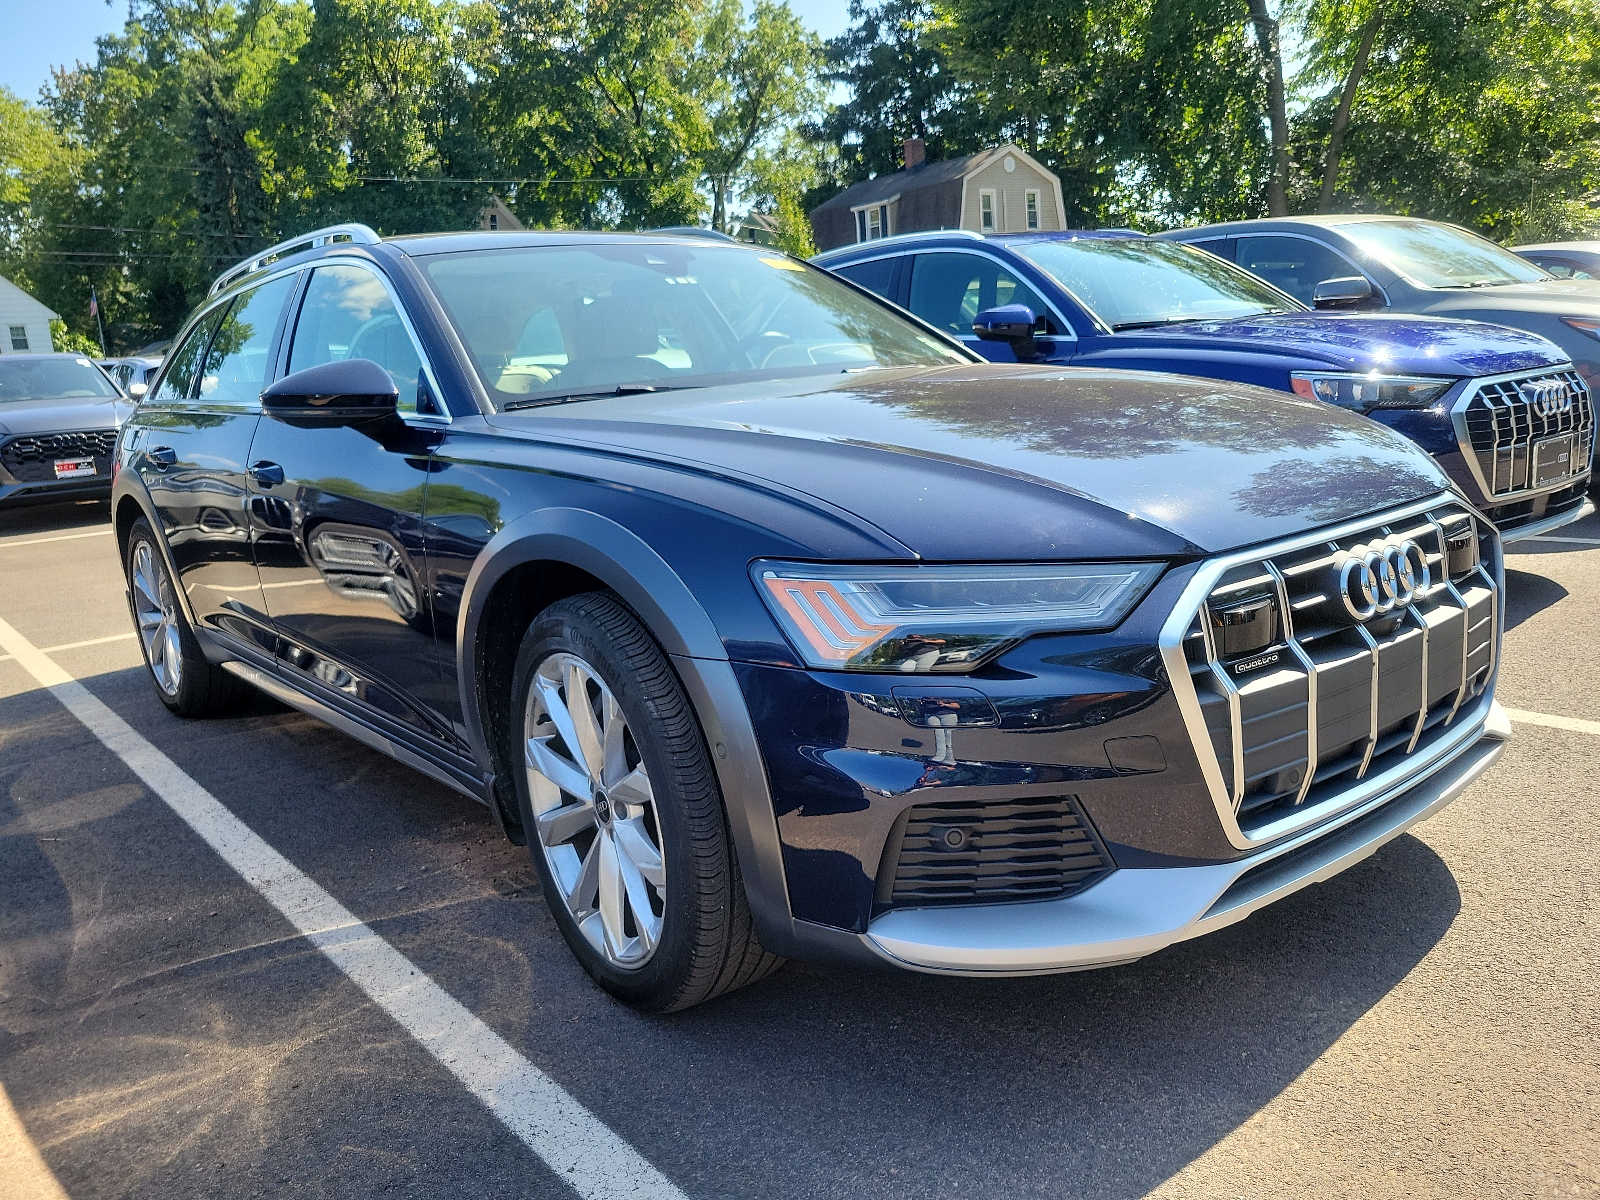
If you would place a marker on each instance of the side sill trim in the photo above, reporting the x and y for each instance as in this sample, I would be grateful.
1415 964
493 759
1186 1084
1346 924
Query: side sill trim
358 729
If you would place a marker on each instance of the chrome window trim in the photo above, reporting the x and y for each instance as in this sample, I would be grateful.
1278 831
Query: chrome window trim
1068 335
1458 422
1192 601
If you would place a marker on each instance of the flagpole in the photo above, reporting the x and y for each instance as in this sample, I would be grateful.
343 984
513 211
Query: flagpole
94 307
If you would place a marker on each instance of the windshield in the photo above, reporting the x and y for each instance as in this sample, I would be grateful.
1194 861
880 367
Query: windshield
1440 256
53 379
1133 282
547 323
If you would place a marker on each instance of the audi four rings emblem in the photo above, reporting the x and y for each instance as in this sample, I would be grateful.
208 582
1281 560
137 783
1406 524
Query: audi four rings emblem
1547 397
1380 579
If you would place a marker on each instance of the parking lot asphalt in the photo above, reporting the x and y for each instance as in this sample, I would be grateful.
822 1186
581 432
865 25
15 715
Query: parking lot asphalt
1426 1024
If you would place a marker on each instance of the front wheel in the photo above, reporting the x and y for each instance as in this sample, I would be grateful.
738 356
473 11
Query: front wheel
624 816
184 679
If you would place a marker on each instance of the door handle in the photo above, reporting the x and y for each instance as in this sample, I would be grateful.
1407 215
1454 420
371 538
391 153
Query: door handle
161 457
266 474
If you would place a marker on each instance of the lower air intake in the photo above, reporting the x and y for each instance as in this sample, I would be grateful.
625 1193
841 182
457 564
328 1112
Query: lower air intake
960 852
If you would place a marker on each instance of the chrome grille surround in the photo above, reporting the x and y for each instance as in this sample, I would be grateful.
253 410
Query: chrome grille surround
1433 707
1497 425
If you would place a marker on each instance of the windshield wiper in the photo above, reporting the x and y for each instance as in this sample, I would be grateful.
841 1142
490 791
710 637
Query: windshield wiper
1121 325
622 389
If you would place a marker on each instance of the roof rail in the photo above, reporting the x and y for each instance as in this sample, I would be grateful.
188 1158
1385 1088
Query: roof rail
898 238
360 235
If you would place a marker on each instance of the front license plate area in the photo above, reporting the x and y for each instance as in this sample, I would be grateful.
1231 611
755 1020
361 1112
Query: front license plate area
75 468
1552 460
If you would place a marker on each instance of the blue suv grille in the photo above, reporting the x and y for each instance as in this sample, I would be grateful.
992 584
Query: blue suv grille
1526 432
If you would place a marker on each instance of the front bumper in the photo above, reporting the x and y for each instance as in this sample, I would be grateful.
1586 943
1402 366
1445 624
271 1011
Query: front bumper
1135 912
97 487
1548 524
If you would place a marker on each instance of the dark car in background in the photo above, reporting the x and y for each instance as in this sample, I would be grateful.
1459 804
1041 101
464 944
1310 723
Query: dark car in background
776 623
59 415
1564 260
1407 265
1502 410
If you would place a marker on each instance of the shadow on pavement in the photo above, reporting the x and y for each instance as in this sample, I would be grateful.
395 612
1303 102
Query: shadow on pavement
1528 595
53 518
817 1082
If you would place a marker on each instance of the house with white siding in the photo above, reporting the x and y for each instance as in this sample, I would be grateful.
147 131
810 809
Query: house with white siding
24 322
1003 190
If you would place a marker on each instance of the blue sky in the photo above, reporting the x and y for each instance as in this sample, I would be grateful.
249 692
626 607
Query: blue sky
36 35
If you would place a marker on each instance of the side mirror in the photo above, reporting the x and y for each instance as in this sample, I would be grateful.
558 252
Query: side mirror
1014 323
1348 291
355 391
135 390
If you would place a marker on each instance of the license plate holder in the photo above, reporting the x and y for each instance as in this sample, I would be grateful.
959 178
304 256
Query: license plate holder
75 468
1552 460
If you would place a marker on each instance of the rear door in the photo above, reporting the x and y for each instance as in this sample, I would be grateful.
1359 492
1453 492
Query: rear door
190 440
338 513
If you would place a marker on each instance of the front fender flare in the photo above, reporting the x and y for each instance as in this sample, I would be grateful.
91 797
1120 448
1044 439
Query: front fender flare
648 585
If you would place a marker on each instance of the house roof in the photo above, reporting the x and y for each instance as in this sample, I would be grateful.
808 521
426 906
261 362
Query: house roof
886 187
14 300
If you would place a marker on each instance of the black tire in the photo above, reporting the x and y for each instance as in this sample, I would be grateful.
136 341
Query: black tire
201 688
707 944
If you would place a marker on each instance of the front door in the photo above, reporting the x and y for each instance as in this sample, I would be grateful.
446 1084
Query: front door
949 288
190 442
338 515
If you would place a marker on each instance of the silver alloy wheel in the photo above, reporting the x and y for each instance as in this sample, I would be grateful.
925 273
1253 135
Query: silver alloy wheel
594 811
156 610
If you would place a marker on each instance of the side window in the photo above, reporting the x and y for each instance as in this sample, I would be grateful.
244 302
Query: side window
184 365
949 290
1295 265
875 276
236 364
347 313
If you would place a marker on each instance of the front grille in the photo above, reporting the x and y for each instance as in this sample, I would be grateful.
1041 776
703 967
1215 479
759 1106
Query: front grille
1297 725
961 852
1501 429
31 458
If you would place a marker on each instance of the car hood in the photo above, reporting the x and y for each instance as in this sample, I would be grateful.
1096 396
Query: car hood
1559 297
1360 342
991 463
18 417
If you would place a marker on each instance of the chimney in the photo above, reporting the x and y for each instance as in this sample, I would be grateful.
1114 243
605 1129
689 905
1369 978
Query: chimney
916 153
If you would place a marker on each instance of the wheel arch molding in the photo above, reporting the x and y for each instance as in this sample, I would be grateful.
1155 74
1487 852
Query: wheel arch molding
579 546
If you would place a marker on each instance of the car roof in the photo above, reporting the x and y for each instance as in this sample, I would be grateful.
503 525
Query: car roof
1588 247
1316 221
38 355
949 237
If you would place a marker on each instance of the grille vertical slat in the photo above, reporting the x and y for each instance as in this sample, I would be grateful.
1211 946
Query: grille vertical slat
1336 700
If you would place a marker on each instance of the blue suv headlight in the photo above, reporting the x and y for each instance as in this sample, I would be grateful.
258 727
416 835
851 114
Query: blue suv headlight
939 618
1367 392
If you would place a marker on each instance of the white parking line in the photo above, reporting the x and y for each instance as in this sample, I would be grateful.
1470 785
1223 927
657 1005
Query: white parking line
1551 721
55 537
115 637
575 1144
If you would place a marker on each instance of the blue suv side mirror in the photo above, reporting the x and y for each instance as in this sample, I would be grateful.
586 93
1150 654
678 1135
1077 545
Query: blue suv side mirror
1014 323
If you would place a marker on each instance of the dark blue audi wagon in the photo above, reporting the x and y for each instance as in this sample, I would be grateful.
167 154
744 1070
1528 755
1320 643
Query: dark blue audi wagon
776 623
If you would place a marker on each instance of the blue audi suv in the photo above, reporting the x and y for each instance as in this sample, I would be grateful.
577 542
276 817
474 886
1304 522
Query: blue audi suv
1502 410
776 623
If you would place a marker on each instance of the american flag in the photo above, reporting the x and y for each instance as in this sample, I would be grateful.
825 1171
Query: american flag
94 304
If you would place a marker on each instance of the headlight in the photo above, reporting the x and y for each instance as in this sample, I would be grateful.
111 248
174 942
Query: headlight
1588 325
939 618
1366 392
